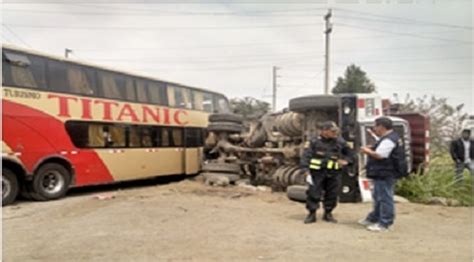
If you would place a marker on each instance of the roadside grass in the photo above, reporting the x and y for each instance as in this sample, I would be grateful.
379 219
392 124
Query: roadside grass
438 181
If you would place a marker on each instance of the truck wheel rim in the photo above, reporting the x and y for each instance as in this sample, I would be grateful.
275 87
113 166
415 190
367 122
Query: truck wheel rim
52 182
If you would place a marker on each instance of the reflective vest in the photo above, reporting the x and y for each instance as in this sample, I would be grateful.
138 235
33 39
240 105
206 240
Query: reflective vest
318 164
325 155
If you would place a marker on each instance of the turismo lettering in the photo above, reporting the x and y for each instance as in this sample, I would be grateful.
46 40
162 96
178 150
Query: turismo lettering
21 94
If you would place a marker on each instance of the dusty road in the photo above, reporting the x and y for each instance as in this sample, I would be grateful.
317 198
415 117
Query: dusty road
188 221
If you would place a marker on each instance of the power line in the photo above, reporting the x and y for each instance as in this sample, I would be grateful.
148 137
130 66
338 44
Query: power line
421 73
16 36
7 39
404 19
67 27
207 13
337 51
423 80
154 13
224 61
220 57
402 33
412 60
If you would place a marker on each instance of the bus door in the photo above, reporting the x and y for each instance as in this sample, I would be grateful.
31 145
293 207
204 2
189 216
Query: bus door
172 157
193 151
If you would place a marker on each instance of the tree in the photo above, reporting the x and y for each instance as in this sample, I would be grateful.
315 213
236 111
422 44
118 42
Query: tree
249 107
354 81
445 120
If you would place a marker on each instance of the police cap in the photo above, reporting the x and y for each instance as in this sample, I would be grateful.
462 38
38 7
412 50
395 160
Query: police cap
329 125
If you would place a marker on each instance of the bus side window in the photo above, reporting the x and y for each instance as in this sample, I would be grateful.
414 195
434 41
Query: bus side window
155 89
179 97
194 137
78 133
146 137
187 100
133 136
198 100
142 94
165 137
57 76
130 89
207 103
97 135
156 135
111 85
117 136
171 96
177 137
24 70
6 72
81 80
221 104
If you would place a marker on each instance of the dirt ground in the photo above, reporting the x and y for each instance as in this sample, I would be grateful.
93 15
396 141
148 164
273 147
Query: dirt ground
188 221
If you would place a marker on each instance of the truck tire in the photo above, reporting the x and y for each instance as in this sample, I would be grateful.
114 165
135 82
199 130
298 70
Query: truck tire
289 174
10 186
232 177
226 118
51 181
297 193
278 178
221 167
307 103
225 127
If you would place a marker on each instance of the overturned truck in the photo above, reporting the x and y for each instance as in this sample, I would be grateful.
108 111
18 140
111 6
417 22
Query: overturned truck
268 150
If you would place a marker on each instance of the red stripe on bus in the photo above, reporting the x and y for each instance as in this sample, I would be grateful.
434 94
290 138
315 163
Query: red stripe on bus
37 135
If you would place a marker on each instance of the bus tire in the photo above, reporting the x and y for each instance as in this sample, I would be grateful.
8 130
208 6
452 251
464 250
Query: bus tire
226 118
307 103
51 181
297 193
221 167
225 127
10 186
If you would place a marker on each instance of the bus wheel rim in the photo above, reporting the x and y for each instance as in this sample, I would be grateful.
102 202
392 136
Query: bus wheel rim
6 187
53 182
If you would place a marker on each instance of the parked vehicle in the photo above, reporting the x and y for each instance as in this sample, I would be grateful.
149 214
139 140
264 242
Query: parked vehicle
68 124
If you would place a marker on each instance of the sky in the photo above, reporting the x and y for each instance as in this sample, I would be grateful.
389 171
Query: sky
406 47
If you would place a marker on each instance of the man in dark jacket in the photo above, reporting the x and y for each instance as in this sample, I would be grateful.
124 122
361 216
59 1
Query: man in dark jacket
322 161
382 170
462 152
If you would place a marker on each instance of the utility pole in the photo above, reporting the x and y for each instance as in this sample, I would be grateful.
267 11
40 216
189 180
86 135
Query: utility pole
274 95
67 51
327 32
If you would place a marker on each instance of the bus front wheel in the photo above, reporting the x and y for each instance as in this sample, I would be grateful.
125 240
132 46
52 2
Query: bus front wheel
50 182
10 186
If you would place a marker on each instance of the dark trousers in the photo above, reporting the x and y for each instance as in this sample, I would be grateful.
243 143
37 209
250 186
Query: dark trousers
330 184
460 169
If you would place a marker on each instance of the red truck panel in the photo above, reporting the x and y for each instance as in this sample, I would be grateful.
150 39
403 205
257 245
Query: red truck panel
420 137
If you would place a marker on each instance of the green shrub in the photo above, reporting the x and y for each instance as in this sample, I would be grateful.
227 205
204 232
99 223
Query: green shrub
438 181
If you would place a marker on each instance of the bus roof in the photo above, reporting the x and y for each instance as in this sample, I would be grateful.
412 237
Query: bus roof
80 62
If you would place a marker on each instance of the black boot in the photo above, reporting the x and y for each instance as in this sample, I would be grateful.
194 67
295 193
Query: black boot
329 218
311 218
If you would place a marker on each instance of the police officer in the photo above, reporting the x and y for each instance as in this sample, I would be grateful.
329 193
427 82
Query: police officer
322 161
